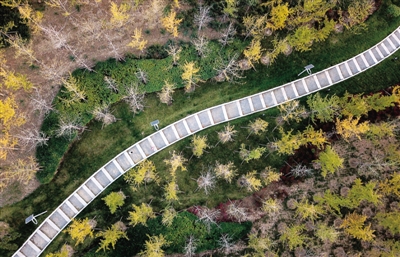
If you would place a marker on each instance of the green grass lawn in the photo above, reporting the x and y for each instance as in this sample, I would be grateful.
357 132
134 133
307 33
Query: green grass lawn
97 146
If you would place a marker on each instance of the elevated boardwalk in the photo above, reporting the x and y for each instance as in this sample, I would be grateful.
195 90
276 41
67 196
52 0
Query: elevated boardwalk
192 124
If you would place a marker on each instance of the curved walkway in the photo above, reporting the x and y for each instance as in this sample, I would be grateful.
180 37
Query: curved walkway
194 123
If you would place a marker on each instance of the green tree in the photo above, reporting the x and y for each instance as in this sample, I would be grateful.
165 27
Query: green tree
259 244
353 105
326 234
390 220
114 200
330 161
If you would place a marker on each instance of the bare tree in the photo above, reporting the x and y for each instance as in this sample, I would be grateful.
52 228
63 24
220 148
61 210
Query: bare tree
208 216
40 104
135 99
227 134
115 50
111 84
174 52
206 182
68 128
166 92
56 36
201 46
225 243
142 76
234 210
300 171
227 35
190 247
225 171
229 69
202 17
103 114
32 138
53 71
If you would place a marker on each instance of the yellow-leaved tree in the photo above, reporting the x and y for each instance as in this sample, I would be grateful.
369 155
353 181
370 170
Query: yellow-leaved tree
329 161
168 216
253 52
140 214
308 210
353 224
279 14
15 81
171 191
119 14
153 246
171 23
79 229
257 126
111 236
250 182
350 127
190 76
176 161
199 144
137 40
293 236
144 173
114 200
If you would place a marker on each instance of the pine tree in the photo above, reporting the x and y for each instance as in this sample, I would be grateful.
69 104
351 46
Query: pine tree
114 200
79 230
140 214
